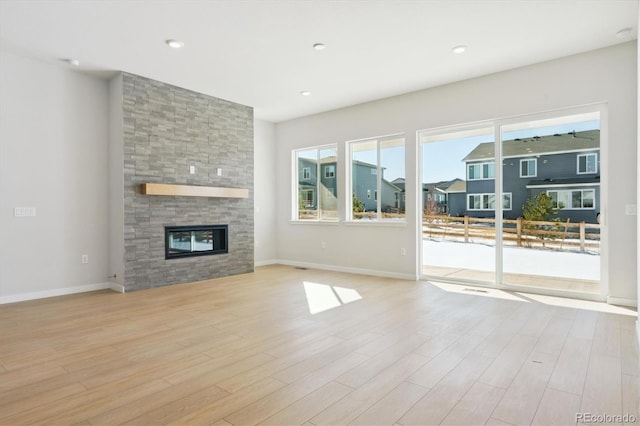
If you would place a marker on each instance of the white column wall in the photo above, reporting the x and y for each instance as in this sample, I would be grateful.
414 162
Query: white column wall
264 189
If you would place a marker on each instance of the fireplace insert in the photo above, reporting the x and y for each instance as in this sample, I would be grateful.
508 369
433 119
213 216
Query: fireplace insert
195 240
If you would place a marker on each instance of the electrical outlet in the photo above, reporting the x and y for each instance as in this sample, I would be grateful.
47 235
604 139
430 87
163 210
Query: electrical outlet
324 245
192 170
403 251
631 209
84 258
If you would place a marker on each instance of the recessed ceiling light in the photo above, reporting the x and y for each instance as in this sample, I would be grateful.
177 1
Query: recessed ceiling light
459 49
176 44
624 33
74 62
319 46
305 93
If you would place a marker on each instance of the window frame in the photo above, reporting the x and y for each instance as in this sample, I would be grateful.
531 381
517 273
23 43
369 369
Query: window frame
330 168
586 163
488 196
570 192
528 161
306 173
481 167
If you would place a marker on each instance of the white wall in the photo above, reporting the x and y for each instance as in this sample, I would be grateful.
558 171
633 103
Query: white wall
53 139
264 151
607 75
116 184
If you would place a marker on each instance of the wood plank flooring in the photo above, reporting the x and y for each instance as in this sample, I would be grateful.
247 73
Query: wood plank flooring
246 350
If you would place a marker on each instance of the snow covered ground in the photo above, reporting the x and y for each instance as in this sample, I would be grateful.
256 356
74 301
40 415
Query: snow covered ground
517 260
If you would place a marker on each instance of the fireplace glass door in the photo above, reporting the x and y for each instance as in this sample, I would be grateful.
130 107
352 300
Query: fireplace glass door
184 241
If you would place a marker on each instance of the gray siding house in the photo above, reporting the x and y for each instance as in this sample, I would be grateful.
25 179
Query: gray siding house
566 167
444 197
307 183
364 186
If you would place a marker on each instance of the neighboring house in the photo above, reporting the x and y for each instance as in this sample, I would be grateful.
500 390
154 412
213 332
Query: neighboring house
444 197
364 183
566 167
307 183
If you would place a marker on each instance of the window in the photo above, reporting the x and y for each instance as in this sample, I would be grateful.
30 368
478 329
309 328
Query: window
587 163
575 199
528 168
315 198
330 172
477 171
487 201
375 164
308 197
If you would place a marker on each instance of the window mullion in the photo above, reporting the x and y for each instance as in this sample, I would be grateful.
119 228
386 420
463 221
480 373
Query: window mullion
378 182
318 180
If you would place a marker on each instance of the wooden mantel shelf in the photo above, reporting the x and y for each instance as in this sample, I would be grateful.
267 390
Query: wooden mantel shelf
192 190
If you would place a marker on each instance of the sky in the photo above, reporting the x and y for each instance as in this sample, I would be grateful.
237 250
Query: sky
442 160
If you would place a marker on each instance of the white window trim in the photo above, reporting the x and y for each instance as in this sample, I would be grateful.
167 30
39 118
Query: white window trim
295 189
481 170
482 194
570 191
331 168
586 162
527 160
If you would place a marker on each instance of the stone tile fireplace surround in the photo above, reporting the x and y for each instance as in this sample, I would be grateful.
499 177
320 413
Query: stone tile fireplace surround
168 131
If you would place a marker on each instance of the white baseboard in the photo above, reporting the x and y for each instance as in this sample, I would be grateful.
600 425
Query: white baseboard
622 302
54 292
116 287
265 262
349 270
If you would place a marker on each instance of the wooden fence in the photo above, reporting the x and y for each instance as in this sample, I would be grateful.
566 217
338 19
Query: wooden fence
306 214
524 233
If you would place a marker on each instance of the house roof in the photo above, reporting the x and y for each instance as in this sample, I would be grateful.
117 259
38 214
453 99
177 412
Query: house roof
446 186
521 147
455 185
580 181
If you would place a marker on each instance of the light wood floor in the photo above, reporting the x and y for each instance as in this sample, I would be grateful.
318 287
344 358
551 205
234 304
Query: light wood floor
246 350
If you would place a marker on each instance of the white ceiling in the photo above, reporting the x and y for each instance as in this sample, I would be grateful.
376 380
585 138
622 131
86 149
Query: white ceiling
259 52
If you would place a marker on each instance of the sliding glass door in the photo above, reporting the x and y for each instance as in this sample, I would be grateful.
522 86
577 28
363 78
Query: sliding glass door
543 230
551 230
458 228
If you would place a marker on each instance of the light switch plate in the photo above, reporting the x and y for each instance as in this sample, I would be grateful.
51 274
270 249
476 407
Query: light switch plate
631 209
24 211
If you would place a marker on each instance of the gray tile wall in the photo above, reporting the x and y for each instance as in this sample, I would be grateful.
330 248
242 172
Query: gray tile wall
167 129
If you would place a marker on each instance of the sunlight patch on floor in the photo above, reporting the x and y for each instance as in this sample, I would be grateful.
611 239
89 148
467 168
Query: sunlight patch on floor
322 297
477 291
581 304
529 298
